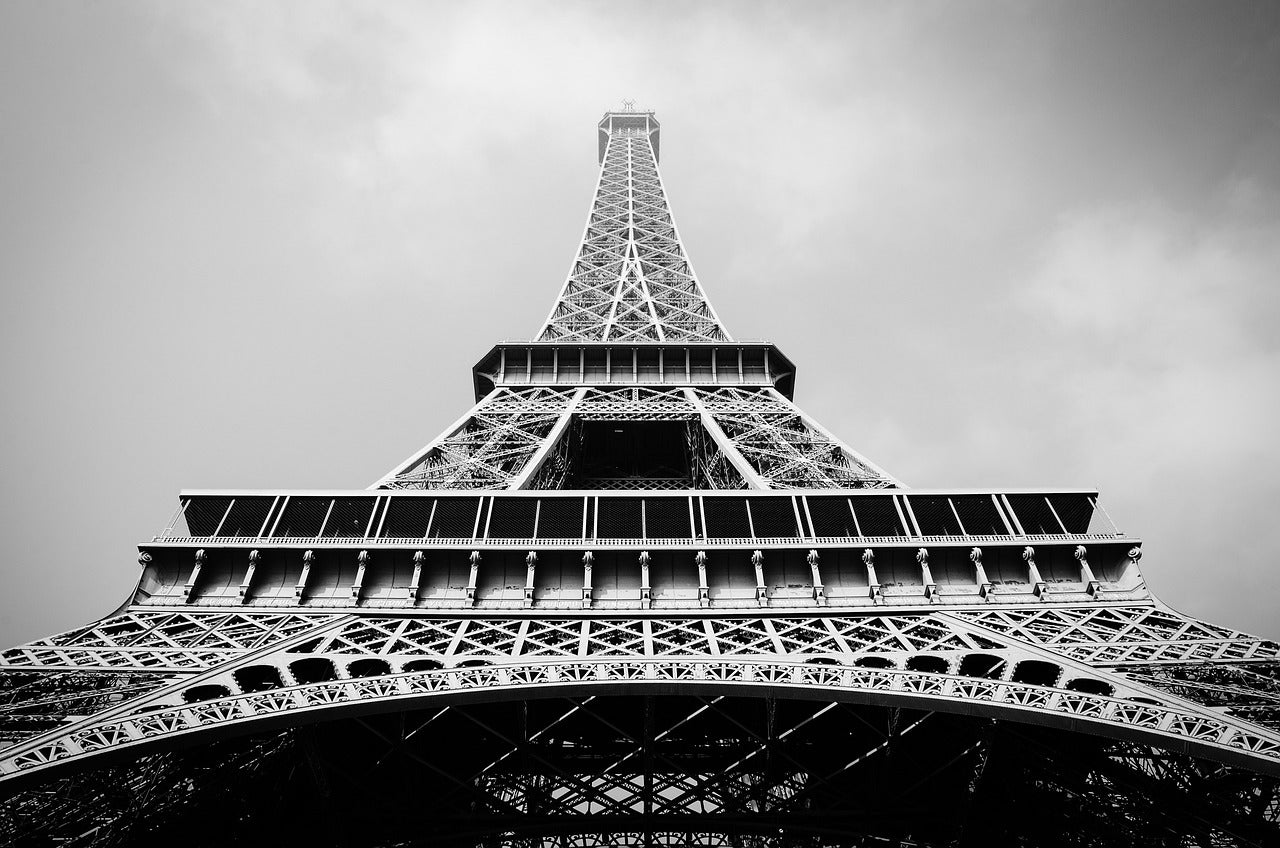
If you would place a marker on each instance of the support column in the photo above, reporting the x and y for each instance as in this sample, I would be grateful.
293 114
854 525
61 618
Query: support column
535 463
704 596
736 459
588 559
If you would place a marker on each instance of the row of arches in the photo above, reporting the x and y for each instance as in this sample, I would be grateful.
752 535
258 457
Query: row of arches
309 670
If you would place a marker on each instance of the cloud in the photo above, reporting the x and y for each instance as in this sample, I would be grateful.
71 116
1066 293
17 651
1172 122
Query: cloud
1161 336
1145 283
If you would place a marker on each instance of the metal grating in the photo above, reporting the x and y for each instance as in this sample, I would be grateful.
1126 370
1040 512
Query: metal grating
349 518
979 515
303 517
667 518
455 518
246 516
203 514
877 516
727 518
934 516
1034 514
407 518
560 518
1076 511
774 518
512 518
831 517
618 518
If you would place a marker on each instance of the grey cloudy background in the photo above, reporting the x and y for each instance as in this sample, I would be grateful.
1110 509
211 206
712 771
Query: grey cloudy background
1007 244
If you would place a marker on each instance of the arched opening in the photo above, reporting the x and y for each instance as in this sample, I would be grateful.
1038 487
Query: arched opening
982 665
1089 686
1036 673
472 663
928 664
423 665
823 661
404 765
257 678
208 692
313 670
874 662
369 668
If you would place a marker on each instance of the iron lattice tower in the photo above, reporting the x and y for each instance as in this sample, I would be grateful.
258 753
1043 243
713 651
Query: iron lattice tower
635 596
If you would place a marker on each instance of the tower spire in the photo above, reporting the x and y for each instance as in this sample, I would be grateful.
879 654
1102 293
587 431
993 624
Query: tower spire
631 279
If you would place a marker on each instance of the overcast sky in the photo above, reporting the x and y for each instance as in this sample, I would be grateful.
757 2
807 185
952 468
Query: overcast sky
254 245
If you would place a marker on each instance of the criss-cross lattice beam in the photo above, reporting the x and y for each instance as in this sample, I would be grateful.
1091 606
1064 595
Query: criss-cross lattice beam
490 446
631 279
783 447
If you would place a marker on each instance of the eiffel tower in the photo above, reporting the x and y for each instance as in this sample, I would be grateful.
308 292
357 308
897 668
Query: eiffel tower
636 596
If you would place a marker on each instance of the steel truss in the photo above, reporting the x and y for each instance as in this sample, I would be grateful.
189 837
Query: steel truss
631 280
717 692
750 435
658 770
375 663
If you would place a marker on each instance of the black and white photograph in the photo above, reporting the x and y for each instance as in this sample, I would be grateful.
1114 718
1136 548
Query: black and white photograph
386 464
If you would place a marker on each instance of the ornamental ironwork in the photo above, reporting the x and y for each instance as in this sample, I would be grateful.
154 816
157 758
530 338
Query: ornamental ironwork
636 596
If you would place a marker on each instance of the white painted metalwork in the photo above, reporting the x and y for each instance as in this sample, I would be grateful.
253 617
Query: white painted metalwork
776 563
631 279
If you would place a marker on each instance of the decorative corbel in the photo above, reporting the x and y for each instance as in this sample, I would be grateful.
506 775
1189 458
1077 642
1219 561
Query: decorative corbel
873 583
819 593
243 592
646 594
414 582
1092 586
530 565
704 595
762 593
930 588
308 559
1040 588
985 590
361 568
188 591
588 559
474 559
